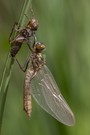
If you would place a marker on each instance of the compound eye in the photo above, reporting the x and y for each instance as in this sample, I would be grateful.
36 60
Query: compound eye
39 46
33 24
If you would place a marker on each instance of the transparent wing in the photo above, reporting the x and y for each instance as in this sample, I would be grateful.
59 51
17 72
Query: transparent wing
47 94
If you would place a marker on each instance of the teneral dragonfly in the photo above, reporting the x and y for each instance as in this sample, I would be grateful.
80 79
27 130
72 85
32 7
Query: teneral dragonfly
40 83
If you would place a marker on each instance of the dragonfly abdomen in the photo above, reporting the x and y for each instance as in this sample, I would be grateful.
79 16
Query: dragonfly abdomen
27 92
27 103
15 47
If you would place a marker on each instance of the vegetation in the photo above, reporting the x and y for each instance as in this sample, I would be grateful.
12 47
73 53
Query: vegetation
64 28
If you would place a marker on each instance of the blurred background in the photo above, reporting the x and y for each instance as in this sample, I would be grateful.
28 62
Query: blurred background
64 27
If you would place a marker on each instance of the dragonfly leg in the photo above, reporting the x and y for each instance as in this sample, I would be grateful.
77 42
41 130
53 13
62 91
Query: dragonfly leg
28 44
15 27
28 41
35 39
24 68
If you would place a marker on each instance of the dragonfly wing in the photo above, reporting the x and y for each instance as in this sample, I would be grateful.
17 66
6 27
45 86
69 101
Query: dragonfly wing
47 94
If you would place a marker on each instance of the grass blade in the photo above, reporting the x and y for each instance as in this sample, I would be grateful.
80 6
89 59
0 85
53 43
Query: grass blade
8 68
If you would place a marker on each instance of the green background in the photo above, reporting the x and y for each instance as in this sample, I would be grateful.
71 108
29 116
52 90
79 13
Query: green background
64 27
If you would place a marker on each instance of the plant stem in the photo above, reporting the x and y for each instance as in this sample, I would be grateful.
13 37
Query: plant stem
8 68
4 88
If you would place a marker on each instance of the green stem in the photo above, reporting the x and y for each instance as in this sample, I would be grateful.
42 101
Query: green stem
24 11
4 88
8 68
4 72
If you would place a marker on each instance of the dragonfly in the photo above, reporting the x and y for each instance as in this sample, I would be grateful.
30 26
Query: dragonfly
40 83
22 35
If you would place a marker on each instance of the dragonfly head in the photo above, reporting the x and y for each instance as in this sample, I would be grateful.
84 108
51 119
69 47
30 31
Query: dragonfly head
39 47
33 24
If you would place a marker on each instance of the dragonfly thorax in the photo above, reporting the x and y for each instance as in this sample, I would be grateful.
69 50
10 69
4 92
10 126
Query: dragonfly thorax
37 61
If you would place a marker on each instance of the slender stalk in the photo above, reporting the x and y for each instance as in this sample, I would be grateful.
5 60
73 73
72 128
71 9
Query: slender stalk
4 87
4 72
8 68
24 11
